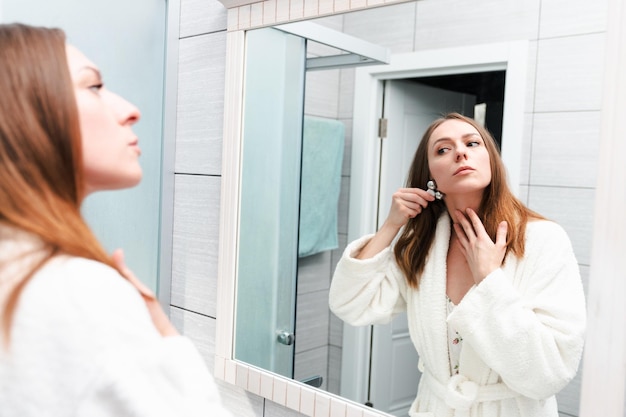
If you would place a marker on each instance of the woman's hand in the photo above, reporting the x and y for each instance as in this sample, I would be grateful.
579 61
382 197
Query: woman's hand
482 254
406 203
160 320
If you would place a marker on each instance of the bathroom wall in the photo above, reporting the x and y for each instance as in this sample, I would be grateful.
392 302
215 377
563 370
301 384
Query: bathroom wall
559 155
129 49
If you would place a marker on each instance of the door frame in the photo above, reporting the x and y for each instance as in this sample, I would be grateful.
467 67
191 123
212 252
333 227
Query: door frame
365 163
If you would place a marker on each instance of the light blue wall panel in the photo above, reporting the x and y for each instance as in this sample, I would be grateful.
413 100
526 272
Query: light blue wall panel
126 39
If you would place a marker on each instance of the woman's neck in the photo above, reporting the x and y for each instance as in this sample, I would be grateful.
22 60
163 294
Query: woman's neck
462 203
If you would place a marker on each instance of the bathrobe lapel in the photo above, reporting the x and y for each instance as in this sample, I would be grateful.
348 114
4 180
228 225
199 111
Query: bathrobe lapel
431 311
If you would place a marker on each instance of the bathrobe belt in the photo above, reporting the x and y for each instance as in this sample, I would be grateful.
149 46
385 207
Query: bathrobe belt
460 393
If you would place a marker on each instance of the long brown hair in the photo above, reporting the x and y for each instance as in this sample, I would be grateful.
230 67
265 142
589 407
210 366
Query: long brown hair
498 204
41 170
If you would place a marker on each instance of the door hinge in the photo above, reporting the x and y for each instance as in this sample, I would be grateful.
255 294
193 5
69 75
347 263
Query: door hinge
382 128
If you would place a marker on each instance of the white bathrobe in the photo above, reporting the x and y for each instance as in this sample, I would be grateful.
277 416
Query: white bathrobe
83 345
522 326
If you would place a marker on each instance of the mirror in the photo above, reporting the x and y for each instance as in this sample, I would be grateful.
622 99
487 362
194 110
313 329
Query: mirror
290 183
486 81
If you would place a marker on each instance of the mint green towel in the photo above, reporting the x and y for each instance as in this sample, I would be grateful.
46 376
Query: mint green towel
322 156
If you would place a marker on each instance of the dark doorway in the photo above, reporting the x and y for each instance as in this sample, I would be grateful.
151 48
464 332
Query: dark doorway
488 87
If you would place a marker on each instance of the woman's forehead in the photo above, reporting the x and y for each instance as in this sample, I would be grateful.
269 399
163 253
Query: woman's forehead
76 60
453 129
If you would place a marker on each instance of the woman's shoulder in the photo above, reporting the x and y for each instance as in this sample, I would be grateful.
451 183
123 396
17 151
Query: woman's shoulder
547 236
72 274
89 291
544 228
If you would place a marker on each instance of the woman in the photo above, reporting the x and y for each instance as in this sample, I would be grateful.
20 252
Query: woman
79 333
492 290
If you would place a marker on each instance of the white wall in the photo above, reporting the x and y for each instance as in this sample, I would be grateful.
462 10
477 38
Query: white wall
126 39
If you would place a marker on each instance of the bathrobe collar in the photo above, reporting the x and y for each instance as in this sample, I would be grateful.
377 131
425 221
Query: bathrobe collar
433 338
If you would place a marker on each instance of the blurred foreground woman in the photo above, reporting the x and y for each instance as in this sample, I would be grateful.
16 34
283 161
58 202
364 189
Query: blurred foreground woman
80 335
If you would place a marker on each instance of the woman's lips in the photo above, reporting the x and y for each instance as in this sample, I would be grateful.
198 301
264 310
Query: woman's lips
463 170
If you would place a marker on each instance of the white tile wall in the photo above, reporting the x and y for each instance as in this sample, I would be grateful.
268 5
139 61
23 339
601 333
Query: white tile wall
313 272
572 208
344 200
532 72
447 23
346 93
569 73
563 146
201 330
526 148
201 104
572 17
560 141
523 194
334 370
195 243
376 26
346 164
312 320
312 363
200 17
322 93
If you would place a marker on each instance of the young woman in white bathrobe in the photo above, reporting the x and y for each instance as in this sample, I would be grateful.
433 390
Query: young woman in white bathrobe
80 336
492 290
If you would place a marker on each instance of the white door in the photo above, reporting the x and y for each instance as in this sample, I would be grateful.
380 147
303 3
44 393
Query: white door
409 108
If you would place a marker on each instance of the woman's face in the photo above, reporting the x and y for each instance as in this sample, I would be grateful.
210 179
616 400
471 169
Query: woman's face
458 159
110 148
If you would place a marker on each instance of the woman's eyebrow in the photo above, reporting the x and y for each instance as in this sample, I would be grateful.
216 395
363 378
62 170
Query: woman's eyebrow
92 69
445 138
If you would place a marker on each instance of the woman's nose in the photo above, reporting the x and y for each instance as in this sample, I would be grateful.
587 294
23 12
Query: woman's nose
461 153
127 112
132 113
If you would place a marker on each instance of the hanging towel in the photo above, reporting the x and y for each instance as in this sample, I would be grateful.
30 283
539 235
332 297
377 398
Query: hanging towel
322 156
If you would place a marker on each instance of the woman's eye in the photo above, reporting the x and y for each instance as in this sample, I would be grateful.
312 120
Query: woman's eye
473 143
96 87
441 151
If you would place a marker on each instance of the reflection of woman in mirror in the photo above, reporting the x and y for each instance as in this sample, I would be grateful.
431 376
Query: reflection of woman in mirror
79 335
492 290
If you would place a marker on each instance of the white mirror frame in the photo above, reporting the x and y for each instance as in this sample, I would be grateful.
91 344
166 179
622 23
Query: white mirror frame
603 382
284 391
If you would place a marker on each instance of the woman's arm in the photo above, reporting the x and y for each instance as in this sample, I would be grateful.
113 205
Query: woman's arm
406 203
367 291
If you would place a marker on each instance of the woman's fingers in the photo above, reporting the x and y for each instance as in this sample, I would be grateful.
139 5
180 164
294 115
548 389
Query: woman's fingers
414 196
408 203
468 229
158 316
118 260
483 255
501 233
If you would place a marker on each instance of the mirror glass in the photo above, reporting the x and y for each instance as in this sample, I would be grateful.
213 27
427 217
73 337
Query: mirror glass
297 177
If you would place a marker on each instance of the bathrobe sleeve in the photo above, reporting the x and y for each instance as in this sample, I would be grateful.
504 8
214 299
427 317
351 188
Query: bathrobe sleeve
367 291
528 324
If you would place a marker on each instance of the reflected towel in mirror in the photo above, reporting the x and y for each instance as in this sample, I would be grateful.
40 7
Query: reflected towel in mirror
322 156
